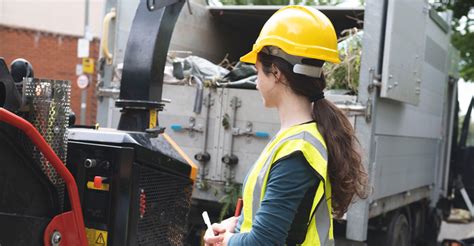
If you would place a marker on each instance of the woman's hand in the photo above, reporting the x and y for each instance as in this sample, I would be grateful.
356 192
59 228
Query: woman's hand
214 236
230 224
220 232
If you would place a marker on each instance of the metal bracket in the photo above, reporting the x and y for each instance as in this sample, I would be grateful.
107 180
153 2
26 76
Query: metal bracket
248 132
191 128
375 80
368 111
235 103
357 109
110 92
208 102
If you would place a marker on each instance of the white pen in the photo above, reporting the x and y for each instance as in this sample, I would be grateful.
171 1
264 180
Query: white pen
205 216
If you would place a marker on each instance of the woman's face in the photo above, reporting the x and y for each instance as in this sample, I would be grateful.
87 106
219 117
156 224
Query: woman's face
267 86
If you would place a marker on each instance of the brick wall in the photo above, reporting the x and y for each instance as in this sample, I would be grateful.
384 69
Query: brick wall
53 56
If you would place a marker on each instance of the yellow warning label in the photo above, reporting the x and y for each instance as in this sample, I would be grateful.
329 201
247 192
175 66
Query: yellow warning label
100 239
88 65
152 118
96 237
104 187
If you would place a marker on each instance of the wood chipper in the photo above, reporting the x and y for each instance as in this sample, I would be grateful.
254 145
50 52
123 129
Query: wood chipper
64 184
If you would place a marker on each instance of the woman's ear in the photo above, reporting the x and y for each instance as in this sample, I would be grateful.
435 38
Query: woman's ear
279 76
276 72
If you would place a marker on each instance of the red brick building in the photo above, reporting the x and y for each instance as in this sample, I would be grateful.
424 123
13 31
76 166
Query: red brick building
53 56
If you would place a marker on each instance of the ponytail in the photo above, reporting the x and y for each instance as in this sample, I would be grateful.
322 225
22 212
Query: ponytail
345 168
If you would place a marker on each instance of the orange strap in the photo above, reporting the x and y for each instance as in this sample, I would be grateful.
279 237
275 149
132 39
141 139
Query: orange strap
175 146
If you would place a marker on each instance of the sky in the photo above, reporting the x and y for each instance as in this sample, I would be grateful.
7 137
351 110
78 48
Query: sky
465 93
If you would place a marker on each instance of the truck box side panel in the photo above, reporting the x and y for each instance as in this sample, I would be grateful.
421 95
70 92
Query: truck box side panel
395 172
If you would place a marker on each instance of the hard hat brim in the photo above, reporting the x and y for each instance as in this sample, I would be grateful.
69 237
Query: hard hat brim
250 57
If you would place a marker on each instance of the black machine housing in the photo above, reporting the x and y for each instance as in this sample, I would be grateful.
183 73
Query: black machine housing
145 191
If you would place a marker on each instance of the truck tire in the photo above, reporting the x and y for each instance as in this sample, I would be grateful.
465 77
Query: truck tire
399 231
418 220
432 227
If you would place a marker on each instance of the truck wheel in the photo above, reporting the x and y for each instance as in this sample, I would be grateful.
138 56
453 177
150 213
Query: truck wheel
433 226
399 231
418 224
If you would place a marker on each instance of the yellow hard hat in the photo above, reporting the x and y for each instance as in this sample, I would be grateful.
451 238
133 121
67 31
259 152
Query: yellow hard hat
298 31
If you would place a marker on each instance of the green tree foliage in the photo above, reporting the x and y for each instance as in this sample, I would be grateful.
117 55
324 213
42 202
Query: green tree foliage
463 36
345 75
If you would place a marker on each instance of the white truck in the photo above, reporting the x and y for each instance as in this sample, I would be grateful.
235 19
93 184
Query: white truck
403 112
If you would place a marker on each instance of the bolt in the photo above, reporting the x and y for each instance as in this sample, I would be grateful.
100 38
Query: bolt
89 163
56 238
105 164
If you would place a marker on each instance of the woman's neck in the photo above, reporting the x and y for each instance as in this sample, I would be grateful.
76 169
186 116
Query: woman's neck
294 110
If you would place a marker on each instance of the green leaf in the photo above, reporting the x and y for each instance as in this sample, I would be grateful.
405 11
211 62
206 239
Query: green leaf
229 200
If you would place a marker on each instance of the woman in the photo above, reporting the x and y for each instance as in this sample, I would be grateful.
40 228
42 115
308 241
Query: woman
310 171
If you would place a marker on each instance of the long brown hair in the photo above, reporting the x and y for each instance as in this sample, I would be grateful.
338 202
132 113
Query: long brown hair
346 173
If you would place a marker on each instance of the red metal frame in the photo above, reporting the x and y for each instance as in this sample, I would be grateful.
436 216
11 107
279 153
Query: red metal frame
70 224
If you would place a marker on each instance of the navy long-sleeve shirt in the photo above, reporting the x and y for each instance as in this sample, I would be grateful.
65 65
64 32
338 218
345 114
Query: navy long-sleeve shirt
282 216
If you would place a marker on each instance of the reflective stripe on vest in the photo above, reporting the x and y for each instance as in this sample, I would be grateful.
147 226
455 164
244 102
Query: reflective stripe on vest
307 139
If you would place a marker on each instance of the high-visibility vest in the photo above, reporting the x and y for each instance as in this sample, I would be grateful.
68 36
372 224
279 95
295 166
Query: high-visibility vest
307 139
